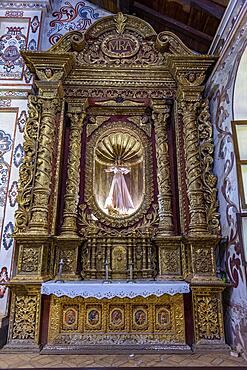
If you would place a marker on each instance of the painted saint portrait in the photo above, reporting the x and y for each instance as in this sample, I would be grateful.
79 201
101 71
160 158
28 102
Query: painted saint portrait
163 317
70 317
140 317
93 317
119 173
116 317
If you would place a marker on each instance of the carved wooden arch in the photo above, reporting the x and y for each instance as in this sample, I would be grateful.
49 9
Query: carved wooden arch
165 41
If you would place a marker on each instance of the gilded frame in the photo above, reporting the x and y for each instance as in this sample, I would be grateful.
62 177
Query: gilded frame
148 187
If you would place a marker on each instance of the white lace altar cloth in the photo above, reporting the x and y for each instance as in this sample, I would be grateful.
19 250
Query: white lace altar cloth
122 289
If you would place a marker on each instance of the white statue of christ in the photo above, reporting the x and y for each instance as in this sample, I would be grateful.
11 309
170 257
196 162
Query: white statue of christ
119 198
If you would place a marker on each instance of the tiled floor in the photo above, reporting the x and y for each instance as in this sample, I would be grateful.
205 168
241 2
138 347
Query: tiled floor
32 360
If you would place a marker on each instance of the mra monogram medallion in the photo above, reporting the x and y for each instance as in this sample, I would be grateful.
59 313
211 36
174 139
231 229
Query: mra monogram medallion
123 46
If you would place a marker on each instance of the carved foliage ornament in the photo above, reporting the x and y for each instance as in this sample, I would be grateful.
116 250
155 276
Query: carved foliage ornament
25 317
209 319
208 178
25 184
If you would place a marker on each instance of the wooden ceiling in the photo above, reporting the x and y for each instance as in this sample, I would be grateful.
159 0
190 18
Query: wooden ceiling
194 21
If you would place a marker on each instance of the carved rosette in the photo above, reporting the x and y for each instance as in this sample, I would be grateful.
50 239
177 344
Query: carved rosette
41 189
22 215
160 117
198 220
73 174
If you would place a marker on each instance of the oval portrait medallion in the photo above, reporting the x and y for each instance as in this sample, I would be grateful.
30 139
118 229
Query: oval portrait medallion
116 317
123 46
140 317
70 316
93 317
163 317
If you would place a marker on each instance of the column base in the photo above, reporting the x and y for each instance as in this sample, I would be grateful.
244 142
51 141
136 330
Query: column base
116 349
15 346
211 347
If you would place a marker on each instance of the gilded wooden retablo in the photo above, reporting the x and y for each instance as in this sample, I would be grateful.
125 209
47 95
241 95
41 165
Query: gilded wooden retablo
117 172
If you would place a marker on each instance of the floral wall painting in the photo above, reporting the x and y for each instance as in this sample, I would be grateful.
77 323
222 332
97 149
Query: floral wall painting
13 39
224 94
70 16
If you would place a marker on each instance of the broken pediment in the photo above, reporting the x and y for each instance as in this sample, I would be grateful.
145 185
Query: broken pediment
121 40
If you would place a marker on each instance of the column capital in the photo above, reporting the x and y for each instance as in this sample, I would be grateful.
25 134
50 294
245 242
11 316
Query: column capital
78 106
49 70
161 105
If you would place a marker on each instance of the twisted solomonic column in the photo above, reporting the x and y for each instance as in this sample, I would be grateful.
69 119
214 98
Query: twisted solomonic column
197 209
73 175
42 181
161 113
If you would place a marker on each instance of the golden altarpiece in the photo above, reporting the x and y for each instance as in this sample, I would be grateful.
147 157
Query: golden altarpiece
117 185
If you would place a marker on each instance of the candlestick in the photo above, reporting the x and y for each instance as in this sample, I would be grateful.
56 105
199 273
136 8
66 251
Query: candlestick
106 271
130 272
60 269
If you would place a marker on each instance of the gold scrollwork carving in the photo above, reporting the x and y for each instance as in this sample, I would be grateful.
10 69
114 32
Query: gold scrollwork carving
170 261
208 314
29 261
26 309
22 215
203 261
208 178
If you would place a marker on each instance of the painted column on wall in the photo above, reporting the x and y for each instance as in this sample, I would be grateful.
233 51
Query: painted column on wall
220 90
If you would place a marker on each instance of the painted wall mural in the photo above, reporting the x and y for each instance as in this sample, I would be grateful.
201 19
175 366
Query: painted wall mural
221 90
16 34
12 122
69 16
19 29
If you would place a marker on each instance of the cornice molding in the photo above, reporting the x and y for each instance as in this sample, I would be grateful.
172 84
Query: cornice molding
27 4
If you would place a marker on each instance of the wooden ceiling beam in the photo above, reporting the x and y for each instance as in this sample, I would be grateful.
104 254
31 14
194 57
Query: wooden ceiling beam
172 23
205 5
125 6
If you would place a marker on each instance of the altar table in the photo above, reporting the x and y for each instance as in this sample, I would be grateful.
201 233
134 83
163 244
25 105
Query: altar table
116 315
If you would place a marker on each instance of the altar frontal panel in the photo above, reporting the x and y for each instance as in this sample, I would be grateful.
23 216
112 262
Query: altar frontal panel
84 323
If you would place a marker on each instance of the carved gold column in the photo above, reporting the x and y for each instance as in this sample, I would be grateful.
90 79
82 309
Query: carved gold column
26 173
42 183
197 210
68 242
76 114
161 112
